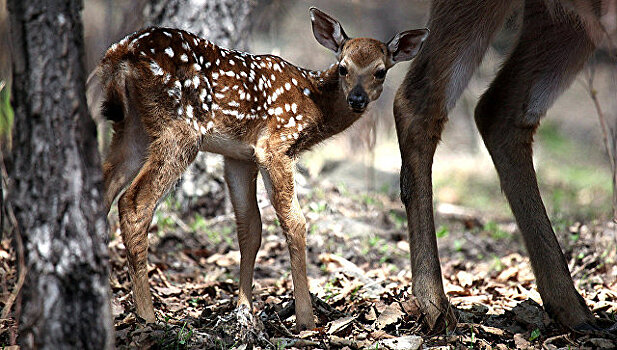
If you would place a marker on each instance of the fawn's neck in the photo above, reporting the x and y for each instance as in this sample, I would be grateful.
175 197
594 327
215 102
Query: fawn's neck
335 116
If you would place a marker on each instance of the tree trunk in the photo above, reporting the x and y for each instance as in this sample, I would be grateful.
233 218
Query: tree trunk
55 188
226 23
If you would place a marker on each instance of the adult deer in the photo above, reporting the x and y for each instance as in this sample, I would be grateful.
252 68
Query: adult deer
172 94
554 43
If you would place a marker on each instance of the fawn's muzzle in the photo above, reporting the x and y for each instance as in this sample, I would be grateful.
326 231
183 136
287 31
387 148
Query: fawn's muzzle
357 99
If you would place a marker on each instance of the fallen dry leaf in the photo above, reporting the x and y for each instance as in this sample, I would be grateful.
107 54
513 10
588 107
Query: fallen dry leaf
392 314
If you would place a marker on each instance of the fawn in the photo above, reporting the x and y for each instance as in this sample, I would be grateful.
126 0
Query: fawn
171 94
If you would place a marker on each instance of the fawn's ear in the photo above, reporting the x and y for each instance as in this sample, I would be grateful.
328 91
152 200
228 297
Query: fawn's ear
327 30
406 45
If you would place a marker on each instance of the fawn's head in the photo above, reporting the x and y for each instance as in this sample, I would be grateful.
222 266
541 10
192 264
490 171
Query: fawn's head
364 62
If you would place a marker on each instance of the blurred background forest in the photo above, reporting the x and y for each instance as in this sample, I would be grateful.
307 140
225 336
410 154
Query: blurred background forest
573 168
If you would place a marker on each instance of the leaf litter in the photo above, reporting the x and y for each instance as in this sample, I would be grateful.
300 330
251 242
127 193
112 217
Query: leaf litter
358 266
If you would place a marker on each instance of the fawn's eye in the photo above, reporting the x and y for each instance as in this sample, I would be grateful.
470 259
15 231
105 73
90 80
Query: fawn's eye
380 74
342 70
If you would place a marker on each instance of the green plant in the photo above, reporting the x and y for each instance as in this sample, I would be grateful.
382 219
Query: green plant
534 334
458 245
164 223
6 113
398 219
497 265
496 233
442 231
473 337
183 336
318 207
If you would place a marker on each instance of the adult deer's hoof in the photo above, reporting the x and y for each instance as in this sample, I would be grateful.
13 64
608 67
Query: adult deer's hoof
438 315
599 327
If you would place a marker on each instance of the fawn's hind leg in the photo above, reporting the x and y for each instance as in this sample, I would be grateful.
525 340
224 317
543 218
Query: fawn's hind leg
126 156
168 156
241 178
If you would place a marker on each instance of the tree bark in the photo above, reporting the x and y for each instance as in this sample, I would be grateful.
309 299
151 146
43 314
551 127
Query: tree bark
226 23
55 188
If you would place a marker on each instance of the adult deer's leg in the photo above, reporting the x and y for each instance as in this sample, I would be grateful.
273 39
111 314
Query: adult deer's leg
279 180
460 33
241 179
550 51
168 156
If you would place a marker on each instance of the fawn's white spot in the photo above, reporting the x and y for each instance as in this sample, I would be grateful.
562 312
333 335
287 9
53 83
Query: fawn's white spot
278 111
169 52
291 123
294 107
155 68
202 94
184 58
307 92
189 111
294 81
287 86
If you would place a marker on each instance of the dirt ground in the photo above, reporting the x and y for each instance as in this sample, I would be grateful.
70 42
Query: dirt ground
358 265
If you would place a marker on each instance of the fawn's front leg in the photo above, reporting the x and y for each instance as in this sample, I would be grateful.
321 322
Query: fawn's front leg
241 179
279 180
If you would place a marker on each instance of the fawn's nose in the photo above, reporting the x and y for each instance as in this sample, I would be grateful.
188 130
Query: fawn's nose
357 99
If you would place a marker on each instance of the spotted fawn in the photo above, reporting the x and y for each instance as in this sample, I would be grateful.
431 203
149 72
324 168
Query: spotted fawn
171 94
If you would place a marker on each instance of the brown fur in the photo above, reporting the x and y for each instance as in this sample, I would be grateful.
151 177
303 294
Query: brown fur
552 48
171 95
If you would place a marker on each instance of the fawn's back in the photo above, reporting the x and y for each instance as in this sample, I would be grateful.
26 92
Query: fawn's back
223 94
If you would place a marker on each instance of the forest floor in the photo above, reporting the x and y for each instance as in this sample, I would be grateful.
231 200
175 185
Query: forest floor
359 271
358 266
